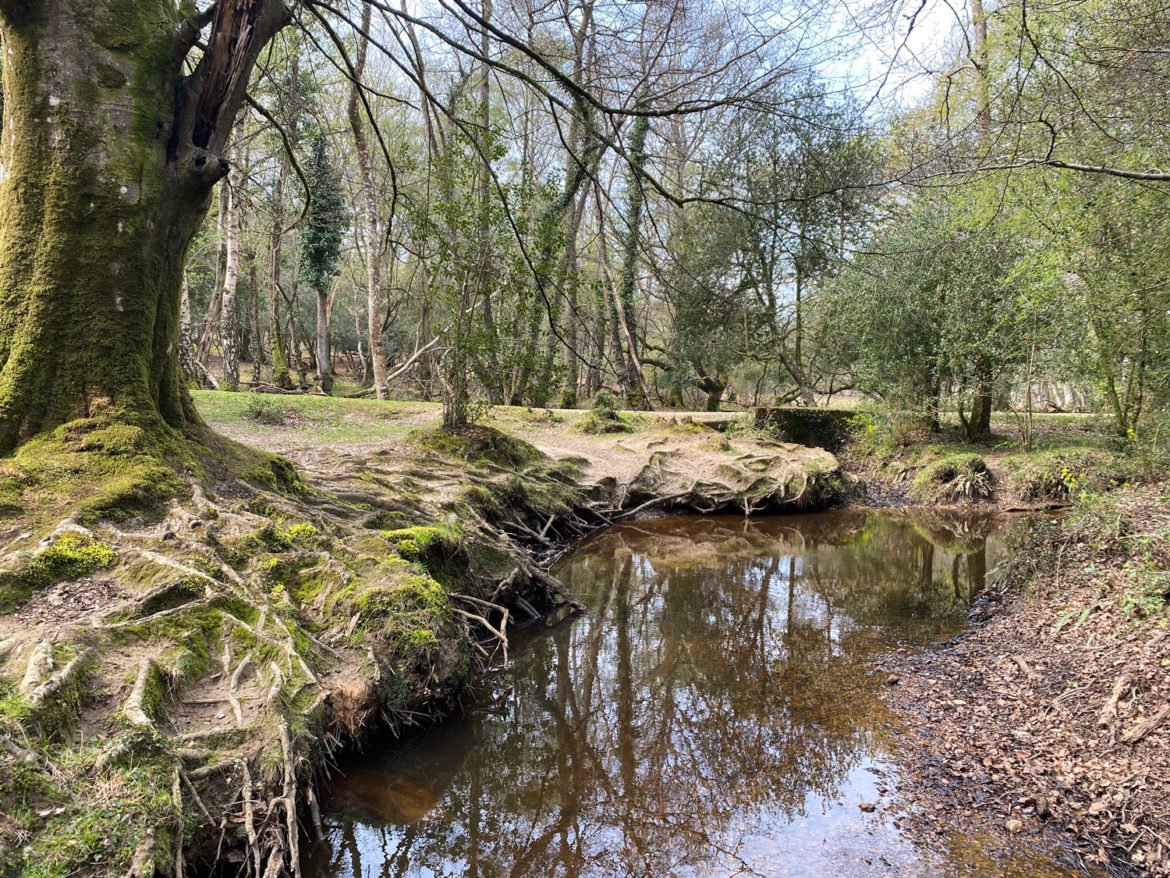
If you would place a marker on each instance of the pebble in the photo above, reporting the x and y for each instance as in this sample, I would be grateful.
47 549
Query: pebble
867 807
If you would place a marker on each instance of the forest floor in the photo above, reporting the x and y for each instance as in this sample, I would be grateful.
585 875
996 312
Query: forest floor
1050 717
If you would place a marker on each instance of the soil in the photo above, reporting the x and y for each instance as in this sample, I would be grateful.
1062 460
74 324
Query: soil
1051 717
68 601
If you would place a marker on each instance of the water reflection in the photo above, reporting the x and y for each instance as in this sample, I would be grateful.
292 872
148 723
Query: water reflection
713 714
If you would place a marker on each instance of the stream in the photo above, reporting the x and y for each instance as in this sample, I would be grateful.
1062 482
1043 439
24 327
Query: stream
717 712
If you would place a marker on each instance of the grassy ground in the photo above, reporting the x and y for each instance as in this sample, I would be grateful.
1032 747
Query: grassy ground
280 423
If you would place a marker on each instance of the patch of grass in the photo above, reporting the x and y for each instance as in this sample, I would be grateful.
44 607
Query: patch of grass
310 420
1110 542
101 835
603 417
268 411
1069 472
477 444
955 477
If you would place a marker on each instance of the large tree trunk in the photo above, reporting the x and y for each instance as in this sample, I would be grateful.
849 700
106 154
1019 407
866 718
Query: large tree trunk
371 225
324 360
979 427
109 155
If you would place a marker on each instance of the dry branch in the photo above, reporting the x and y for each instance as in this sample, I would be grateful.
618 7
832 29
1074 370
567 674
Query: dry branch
1146 726
1109 711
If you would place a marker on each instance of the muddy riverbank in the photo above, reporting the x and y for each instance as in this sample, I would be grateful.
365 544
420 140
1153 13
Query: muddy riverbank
1050 718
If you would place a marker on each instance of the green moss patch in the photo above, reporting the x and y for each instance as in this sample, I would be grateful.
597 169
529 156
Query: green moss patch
402 612
70 556
425 544
101 467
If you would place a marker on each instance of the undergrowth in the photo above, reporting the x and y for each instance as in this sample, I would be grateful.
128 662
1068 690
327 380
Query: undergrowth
1116 544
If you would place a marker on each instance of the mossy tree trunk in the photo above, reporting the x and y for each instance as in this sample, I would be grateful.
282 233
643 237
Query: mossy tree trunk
633 379
110 152
324 355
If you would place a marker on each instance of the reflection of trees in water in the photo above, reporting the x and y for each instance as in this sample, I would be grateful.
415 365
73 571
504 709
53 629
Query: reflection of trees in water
719 680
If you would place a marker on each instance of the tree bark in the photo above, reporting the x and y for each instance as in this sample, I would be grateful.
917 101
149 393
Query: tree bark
229 318
982 73
491 376
211 320
979 425
280 371
113 153
256 344
371 226
631 246
324 362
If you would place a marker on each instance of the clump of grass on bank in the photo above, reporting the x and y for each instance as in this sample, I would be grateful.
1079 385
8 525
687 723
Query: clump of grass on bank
1071 455
954 478
604 417
271 413
478 444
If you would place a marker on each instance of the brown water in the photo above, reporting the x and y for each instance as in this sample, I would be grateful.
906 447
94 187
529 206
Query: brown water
716 713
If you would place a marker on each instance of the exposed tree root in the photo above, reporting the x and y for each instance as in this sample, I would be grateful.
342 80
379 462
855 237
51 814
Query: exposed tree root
142 865
134 712
40 665
499 633
1146 726
250 821
65 677
289 800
